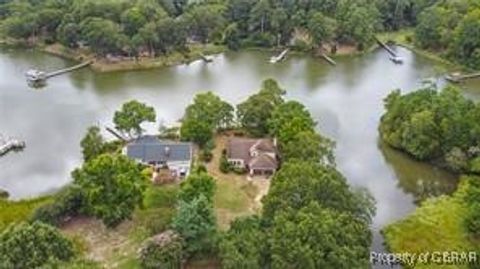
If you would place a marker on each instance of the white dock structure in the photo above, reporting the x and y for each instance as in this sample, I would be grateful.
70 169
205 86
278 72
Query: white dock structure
278 58
10 144
37 76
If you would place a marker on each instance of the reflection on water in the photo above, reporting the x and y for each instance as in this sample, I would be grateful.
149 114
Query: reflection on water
346 100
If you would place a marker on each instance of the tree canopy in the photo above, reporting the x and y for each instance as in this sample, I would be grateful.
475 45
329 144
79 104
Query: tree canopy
113 187
130 117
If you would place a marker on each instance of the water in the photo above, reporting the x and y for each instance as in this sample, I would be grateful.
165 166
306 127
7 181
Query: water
345 100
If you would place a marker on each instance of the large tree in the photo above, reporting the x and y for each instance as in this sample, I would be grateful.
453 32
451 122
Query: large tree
113 187
132 114
254 113
92 143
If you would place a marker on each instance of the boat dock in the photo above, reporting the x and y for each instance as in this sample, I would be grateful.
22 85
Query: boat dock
328 59
457 77
386 47
11 144
279 57
206 58
36 76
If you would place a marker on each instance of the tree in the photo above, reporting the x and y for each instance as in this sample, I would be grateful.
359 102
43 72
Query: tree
205 21
466 40
289 119
92 143
321 27
244 245
103 36
212 110
195 185
298 183
164 251
316 237
197 131
308 146
357 22
113 186
254 113
131 116
24 245
195 222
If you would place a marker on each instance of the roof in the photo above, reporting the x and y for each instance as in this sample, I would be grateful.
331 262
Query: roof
151 149
239 148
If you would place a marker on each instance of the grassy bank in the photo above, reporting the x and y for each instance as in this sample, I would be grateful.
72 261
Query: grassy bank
16 211
437 225
104 65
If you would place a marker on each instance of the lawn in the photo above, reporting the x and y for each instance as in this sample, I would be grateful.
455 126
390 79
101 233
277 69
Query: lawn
437 225
15 211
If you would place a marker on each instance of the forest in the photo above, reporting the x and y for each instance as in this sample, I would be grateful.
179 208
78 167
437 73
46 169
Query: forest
157 27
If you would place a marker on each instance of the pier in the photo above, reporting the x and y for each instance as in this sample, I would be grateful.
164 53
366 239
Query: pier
279 57
116 134
328 59
206 58
386 47
457 77
9 145
37 76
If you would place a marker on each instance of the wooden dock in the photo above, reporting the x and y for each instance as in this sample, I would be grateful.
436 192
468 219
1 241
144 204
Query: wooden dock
456 78
36 76
11 144
116 134
279 57
328 59
206 58
386 47
69 69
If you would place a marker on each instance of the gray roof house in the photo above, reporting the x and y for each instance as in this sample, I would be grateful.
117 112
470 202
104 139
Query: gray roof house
149 150
258 156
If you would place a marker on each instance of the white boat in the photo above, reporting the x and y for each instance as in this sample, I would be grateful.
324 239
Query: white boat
396 59
35 75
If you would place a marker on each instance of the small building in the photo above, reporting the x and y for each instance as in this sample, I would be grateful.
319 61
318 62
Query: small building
174 156
257 156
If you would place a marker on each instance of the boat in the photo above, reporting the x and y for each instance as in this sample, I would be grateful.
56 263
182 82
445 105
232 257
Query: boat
396 59
35 75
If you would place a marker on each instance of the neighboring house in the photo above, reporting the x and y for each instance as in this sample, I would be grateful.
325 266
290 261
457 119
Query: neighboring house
257 156
174 156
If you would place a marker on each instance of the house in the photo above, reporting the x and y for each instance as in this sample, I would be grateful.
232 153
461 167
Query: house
162 154
257 156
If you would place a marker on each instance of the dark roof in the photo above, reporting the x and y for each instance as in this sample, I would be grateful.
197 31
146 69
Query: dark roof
239 148
151 149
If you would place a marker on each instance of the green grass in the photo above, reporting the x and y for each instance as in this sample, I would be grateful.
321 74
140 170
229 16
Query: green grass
15 211
437 225
229 195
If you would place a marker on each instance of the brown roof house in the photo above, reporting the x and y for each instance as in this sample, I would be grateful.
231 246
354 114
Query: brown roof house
257 156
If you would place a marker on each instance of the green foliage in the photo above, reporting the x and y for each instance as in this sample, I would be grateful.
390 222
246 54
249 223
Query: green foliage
466 39
131 116
207 114
254 113
225 166
298 183
321 27
67 203
244 245
308 146
164 251
195 185
103 35
429 125
92 143
306 239
113 186
472 201
25 245
195 221
17 211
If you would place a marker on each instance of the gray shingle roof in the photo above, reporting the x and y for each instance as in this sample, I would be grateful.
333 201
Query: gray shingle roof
151 149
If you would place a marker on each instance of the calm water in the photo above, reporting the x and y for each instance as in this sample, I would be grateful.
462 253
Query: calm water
346 100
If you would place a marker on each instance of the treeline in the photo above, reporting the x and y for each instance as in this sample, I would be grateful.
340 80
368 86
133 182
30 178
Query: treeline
452 28
159 26
438 126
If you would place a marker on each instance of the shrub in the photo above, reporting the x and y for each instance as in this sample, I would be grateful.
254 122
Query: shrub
163 251
225 166
68 203
32 245
196 185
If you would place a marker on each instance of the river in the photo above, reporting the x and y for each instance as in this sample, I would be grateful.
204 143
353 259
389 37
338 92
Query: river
346 100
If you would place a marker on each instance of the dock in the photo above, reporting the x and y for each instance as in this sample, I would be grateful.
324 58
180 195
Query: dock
36 76
279 57
206 58
386 47
11 144
116 134
328 59
457 77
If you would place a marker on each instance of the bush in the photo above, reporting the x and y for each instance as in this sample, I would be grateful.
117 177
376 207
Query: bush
196 185
33 245
68 203
206 156
225 166
163 251
239 170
